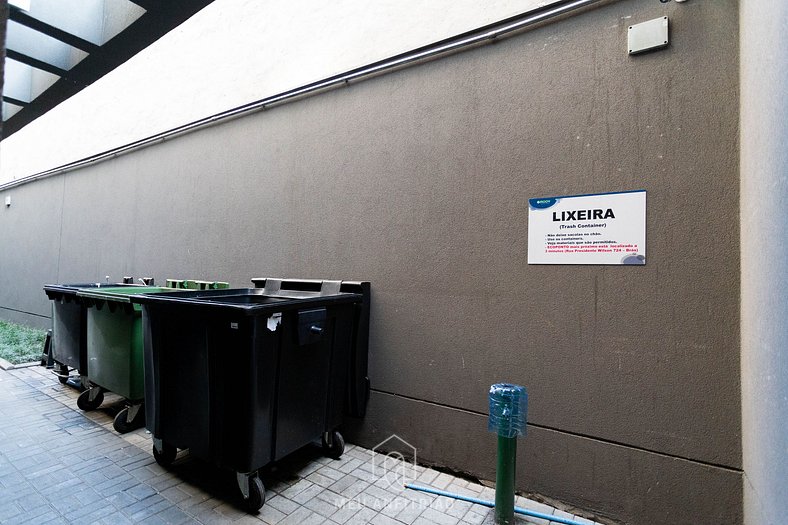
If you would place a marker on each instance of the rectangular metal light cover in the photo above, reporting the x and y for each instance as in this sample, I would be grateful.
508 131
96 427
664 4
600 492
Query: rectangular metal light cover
648 35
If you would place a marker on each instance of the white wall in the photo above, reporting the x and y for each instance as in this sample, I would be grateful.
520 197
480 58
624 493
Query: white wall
764 259
231 53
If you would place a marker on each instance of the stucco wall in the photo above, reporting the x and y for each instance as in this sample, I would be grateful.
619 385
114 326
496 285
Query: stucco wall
231 53
418 182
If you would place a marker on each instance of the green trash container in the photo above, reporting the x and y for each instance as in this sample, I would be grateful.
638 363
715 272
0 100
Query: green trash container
197 285
69 318
114 351
210 285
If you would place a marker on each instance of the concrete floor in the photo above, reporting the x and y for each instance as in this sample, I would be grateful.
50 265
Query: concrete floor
61 465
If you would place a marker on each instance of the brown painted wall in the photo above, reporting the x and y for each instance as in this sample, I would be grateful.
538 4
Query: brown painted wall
418 182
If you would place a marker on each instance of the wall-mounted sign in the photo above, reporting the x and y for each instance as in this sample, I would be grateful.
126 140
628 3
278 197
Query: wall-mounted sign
605 228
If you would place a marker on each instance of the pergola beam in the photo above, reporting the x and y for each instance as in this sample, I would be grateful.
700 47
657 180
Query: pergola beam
21 17
36 63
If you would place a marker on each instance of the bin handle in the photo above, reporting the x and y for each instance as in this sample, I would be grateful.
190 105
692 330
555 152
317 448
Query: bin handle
272 286
330 287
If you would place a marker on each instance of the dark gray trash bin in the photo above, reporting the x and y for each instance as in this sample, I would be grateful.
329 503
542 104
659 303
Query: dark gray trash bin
68 347
244 377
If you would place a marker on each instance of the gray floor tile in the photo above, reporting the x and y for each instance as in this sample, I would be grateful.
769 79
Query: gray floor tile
61 465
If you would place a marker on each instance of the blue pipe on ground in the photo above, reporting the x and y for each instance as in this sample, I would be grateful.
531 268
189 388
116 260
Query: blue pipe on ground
518 510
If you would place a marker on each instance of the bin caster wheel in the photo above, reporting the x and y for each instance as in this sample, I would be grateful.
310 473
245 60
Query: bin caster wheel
167 455
335 447
121 423
256 497
62 374
85 403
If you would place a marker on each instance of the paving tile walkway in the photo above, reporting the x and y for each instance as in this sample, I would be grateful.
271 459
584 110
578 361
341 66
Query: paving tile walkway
61 465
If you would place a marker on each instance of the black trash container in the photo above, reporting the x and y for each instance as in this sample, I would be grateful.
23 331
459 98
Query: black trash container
244 377
69 335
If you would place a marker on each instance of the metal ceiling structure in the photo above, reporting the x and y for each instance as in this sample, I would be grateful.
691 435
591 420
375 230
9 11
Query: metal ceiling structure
55 48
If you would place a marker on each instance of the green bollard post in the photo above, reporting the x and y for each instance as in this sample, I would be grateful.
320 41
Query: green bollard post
508 411
504 480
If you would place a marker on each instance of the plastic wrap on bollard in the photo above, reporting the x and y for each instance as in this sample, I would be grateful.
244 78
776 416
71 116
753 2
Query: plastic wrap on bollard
508 410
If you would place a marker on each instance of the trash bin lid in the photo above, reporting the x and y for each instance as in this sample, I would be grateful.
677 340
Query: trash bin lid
246 301
57 291
121 294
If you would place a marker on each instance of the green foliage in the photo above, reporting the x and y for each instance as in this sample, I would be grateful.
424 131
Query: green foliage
20 344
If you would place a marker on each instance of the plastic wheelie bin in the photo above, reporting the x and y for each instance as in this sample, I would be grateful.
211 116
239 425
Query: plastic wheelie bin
114 351
244 377
197 285
68 347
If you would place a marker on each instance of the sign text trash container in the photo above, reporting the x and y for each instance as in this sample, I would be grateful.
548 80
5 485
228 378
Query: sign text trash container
244 377
114 351
69 335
